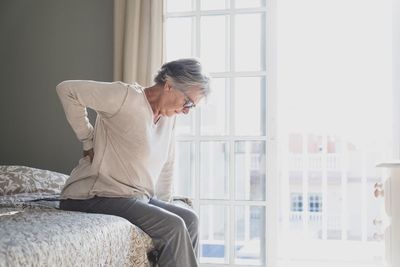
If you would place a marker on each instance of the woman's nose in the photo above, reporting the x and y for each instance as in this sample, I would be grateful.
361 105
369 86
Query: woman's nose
185 110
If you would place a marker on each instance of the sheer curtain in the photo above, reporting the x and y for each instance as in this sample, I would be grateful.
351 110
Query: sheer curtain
138 40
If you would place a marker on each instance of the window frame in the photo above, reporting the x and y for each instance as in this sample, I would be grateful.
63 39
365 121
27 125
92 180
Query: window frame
269 120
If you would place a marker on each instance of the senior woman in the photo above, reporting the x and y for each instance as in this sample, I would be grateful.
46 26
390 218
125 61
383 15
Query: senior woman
127 168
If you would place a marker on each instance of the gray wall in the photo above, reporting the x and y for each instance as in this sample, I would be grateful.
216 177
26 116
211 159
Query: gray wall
42 43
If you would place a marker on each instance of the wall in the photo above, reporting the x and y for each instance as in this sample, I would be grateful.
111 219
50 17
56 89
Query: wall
42 43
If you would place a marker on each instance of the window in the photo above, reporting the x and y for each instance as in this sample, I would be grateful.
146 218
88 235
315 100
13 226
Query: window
221 146
296 202
315 203
335 123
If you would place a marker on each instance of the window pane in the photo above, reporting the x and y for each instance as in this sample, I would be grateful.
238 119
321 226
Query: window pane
184 167
214 114
179 5
214 42
250 239
249 106
296 202
179 37
185 124
213 4
214 170
249 3
213 233
250 170
248 43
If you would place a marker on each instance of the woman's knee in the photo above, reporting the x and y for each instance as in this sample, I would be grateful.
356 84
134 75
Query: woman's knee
175 224
191 218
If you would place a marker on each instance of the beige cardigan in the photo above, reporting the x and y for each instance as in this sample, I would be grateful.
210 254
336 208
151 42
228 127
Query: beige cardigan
133 157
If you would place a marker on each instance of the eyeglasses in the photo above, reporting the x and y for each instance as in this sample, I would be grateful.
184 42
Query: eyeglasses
188 103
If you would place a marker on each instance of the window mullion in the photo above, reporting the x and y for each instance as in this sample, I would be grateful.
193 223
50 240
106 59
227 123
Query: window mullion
231 244
217 12
195 51
272 195
229 74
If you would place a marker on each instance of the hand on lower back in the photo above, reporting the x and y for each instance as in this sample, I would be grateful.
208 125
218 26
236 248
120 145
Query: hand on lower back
89 153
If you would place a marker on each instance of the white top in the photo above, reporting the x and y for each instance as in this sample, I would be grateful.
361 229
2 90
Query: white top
133 157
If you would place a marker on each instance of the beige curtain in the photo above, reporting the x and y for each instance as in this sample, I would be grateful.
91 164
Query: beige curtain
138 40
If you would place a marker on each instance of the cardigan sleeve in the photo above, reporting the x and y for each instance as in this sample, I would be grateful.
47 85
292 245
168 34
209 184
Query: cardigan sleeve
106 98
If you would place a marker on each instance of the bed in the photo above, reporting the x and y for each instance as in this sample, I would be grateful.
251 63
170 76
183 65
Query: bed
34 232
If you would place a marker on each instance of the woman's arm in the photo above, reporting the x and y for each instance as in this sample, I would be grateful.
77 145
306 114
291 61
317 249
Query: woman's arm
76 95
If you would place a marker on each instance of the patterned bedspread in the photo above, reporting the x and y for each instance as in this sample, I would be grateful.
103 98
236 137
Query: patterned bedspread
37 235
34 232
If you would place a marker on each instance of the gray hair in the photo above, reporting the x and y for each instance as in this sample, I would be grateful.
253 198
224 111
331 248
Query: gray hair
183 74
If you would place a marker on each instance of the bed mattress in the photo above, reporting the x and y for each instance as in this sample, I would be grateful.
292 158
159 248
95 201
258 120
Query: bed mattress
35 234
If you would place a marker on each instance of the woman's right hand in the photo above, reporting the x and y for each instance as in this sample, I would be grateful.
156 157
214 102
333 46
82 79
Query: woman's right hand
89 153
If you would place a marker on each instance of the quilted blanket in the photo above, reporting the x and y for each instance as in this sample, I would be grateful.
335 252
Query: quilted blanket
34 232
37 235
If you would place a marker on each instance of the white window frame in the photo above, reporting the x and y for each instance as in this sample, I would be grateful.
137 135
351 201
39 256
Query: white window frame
269 138
396 78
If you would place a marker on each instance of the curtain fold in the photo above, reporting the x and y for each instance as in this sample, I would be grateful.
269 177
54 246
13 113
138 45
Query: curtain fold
138 40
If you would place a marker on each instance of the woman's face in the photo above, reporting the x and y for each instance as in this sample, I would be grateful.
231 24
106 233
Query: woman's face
177 102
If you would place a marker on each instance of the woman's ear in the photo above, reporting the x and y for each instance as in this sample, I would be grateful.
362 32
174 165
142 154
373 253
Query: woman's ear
167 86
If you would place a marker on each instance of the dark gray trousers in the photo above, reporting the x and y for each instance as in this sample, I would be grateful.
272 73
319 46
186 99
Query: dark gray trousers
174 229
